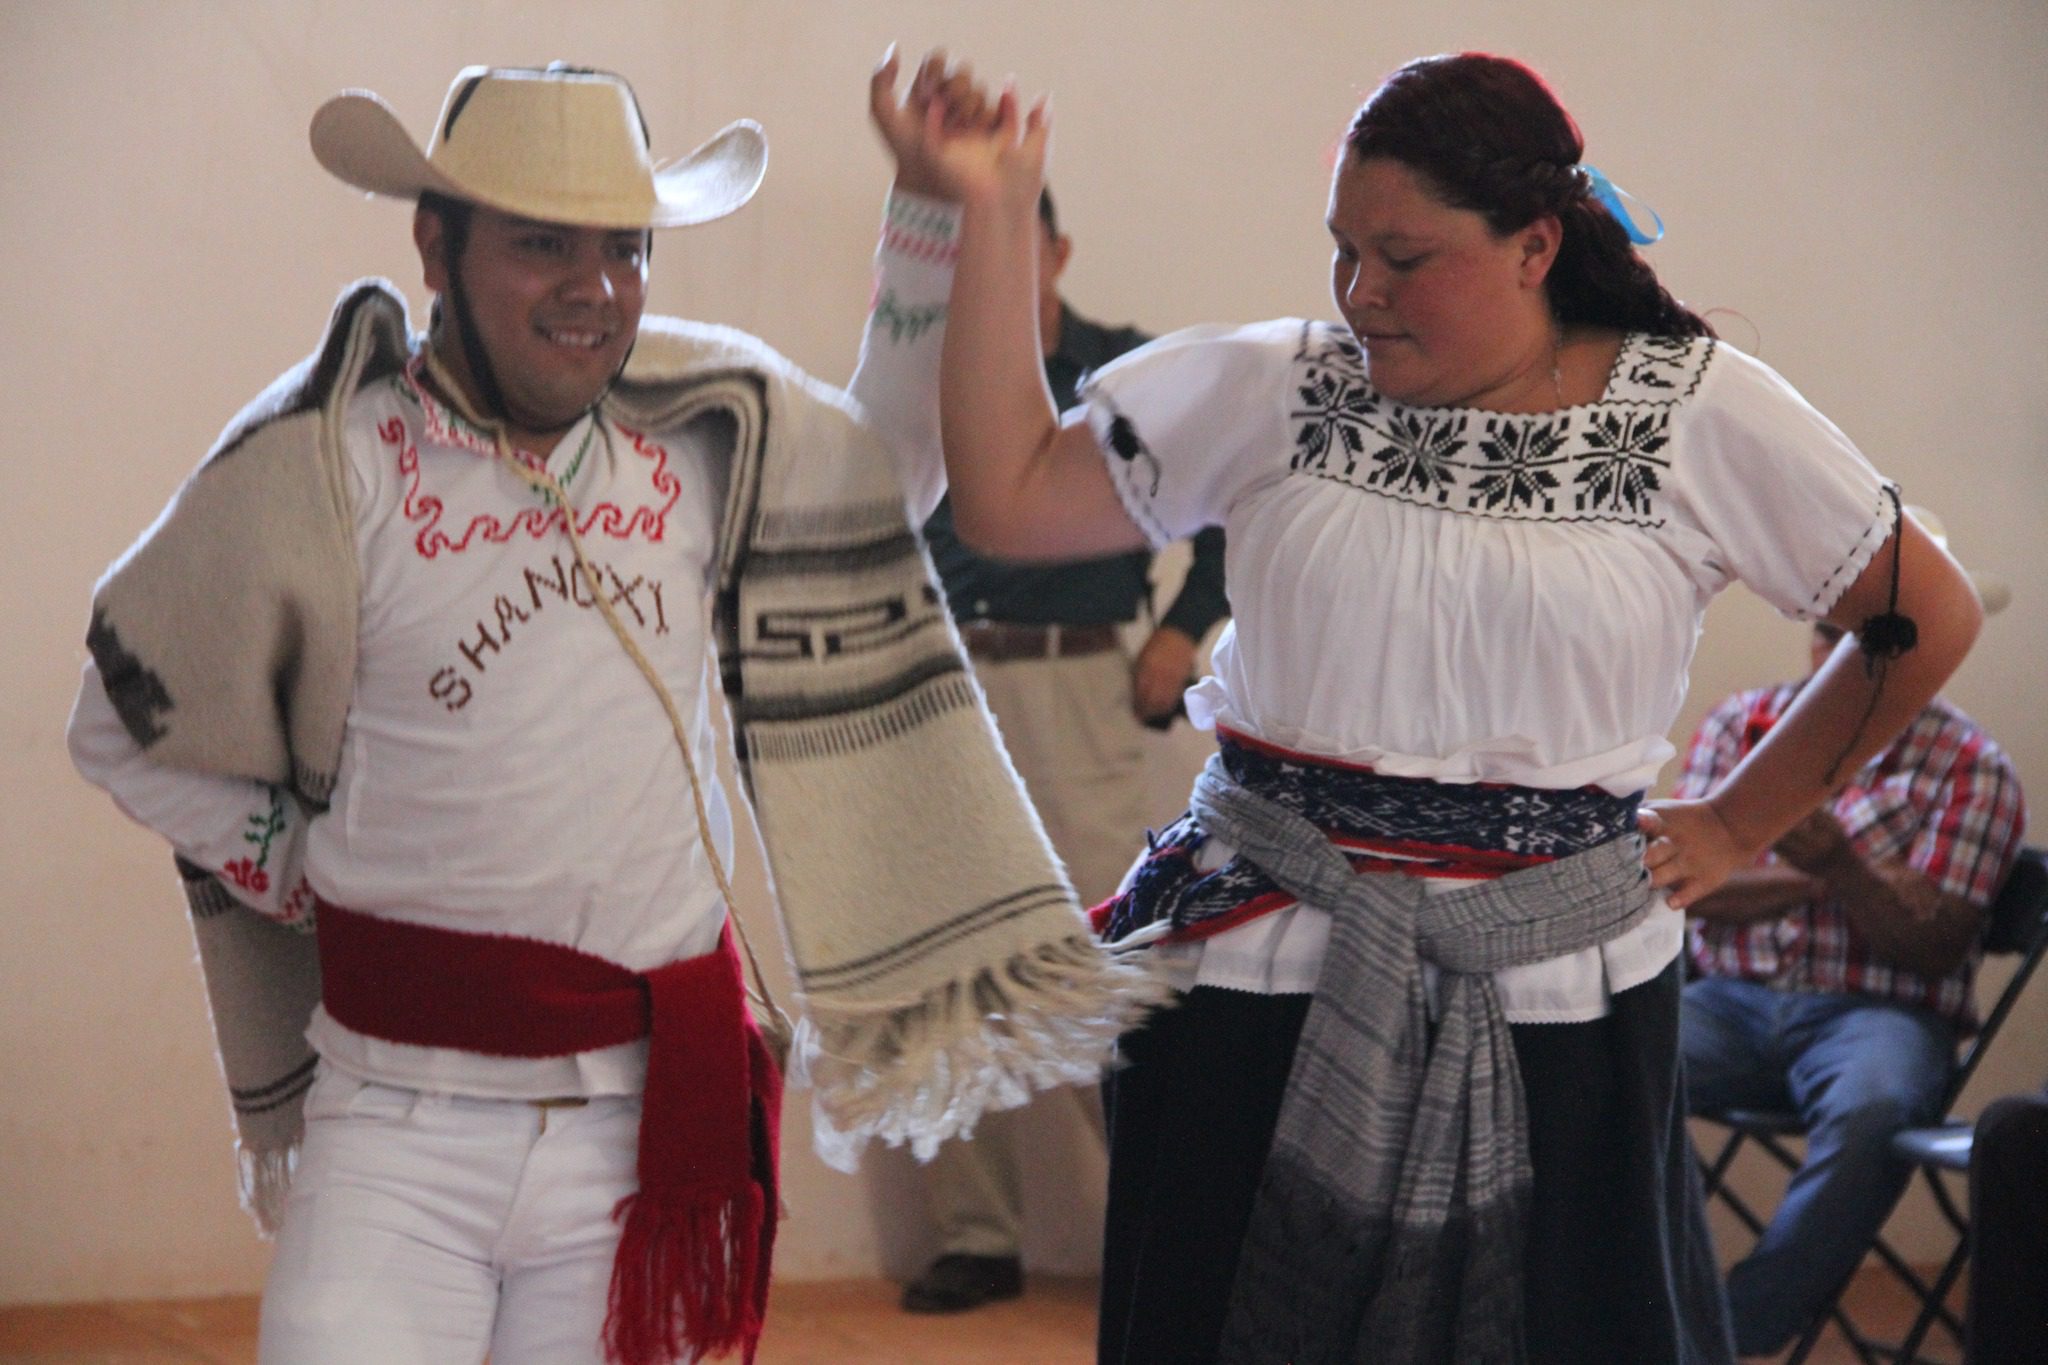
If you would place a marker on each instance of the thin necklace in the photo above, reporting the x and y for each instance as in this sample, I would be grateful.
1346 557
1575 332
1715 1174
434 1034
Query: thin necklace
1556 372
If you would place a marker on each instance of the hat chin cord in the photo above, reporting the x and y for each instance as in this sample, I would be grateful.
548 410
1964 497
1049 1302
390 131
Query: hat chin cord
475 358
489 401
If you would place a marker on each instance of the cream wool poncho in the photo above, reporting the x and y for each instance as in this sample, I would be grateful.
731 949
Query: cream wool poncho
943 966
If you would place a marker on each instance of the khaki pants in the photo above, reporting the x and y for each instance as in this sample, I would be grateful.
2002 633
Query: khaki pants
1070 731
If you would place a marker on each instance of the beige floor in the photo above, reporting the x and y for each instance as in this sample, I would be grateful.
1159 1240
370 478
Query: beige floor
853 1322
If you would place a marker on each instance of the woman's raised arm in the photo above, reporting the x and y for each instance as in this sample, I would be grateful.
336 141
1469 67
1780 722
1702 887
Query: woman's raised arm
1024 485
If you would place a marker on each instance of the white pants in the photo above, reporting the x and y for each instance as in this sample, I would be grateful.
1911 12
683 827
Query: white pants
435 1228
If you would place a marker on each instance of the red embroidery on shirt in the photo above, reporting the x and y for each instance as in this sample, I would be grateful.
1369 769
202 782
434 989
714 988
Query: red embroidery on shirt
538 522
244 873
920 246
298 906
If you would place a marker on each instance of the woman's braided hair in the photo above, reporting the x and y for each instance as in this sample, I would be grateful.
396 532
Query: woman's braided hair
1487 135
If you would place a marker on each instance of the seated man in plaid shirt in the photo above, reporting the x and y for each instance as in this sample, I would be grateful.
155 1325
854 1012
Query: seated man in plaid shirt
1834 978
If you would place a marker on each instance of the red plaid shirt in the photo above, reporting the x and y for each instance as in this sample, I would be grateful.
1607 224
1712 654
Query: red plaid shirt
1943 800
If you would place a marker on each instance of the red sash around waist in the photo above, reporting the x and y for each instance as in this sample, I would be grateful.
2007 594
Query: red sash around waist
691 1275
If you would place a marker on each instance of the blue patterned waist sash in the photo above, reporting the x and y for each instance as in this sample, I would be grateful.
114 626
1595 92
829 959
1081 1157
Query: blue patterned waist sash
1411 825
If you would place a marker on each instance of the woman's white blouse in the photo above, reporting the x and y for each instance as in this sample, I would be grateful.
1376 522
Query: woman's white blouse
1475 596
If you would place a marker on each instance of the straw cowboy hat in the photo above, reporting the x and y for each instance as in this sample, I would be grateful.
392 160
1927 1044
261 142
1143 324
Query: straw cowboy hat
559 144
1994 592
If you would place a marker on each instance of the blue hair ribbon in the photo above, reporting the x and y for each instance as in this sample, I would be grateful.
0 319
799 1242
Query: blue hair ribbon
1609 197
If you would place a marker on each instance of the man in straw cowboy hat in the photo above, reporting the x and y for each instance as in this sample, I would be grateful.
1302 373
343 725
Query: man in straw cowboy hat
1834 978
397 672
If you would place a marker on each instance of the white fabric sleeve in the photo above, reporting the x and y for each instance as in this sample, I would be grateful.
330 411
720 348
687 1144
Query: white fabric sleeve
1189 422
250 834
896 380
1790 506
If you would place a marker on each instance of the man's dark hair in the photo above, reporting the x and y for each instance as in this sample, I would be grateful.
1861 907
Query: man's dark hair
1047 214
455 216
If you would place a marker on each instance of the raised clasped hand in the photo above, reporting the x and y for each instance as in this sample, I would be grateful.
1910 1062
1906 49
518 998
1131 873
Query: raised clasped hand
950 140
1689 849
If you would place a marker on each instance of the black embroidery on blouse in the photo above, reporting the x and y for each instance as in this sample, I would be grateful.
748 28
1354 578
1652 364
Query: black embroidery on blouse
1619 471
1130 447
1521 463
1123 439
1326 345
1600 462
1333 412
1658 363
1420 455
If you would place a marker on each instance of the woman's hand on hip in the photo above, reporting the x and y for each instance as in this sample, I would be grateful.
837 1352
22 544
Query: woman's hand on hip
1690 849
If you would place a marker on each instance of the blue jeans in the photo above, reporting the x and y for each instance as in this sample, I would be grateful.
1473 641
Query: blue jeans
1857 1070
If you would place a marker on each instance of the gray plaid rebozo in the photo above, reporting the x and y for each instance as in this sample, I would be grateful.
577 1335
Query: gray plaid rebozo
1389 1222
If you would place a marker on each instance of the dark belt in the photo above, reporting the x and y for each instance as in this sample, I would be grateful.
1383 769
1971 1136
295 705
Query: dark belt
1002 641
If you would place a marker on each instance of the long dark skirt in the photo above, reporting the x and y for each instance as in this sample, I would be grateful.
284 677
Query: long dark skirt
1619 1265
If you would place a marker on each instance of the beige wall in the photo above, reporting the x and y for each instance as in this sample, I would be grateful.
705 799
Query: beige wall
1861 182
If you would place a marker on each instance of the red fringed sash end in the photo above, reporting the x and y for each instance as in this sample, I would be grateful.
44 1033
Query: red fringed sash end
687 1279
697 1241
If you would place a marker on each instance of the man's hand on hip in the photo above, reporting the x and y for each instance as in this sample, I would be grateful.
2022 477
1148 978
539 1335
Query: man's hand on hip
1161 672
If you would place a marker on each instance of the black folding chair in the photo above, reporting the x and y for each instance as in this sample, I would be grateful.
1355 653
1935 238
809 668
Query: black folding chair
2017 925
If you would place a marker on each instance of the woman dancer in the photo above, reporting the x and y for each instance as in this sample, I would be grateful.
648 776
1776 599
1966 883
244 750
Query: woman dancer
1419 1100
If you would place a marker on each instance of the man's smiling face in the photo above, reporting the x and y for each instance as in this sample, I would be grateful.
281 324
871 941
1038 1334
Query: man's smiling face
556 308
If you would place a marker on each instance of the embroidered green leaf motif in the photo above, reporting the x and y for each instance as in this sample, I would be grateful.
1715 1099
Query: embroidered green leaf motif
907 324
930 221
263 829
